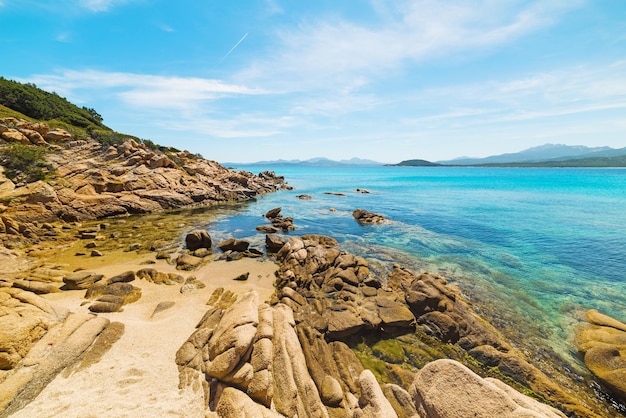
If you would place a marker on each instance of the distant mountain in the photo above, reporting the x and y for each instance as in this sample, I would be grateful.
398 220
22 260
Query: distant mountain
314 162
613 161
538 154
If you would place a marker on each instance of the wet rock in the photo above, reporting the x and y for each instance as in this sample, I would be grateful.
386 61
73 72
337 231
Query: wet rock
198 238
364 217
273 213
233 244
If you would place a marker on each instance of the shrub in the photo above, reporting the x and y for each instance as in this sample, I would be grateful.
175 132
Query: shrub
24 162
109 138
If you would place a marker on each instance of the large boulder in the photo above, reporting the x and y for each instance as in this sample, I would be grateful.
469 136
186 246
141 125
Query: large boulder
198 238
447 389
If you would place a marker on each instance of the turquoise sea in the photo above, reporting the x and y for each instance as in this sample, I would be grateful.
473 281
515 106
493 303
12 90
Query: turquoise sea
531 248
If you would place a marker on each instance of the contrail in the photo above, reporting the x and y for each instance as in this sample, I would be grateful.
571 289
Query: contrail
233 48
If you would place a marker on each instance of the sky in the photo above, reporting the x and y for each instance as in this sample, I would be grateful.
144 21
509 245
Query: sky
387 80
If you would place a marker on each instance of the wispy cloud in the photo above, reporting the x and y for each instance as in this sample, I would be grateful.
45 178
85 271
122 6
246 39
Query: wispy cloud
273 7
148 91
63 37
410 32
100 5
170 104
559 93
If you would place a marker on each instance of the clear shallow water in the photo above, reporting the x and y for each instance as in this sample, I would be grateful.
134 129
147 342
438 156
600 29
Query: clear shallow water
532 247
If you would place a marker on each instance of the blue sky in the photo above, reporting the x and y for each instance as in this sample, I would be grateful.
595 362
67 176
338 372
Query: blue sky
387 80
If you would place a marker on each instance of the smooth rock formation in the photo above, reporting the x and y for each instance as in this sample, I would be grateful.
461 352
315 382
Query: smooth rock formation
447 389
603 345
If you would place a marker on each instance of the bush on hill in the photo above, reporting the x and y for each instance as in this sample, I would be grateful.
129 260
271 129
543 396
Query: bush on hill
33 102
24 162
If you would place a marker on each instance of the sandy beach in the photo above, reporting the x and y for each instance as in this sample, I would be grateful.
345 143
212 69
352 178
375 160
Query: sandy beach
138 376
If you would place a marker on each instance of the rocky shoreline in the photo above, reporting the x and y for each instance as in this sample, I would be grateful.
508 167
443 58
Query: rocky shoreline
324 335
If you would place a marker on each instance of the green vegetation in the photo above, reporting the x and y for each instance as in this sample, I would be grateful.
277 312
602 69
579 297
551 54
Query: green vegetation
38 104
28 102
24 162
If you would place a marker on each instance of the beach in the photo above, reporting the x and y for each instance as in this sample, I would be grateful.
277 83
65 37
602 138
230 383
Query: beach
138 376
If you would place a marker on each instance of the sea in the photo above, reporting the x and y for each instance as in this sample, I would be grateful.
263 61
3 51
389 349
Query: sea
531 248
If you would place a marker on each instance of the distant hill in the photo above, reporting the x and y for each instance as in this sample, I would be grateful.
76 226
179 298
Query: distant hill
537 154
314 162
415 163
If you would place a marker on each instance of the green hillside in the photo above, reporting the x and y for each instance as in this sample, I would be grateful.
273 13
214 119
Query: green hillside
29 102
38 104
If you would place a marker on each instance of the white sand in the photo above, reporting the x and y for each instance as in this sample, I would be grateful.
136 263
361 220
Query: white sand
138 376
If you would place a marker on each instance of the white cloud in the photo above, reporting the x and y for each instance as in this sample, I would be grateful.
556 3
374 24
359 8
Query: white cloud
140 90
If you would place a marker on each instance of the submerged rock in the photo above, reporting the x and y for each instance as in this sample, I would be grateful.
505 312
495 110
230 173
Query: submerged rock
364 217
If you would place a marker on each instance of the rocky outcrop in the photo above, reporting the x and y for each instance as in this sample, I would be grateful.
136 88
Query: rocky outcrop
337 295
252 359
37 341
93 181
447 389
279 223
365 217
603 345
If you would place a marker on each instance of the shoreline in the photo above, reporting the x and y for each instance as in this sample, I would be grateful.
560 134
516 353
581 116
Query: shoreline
136 372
